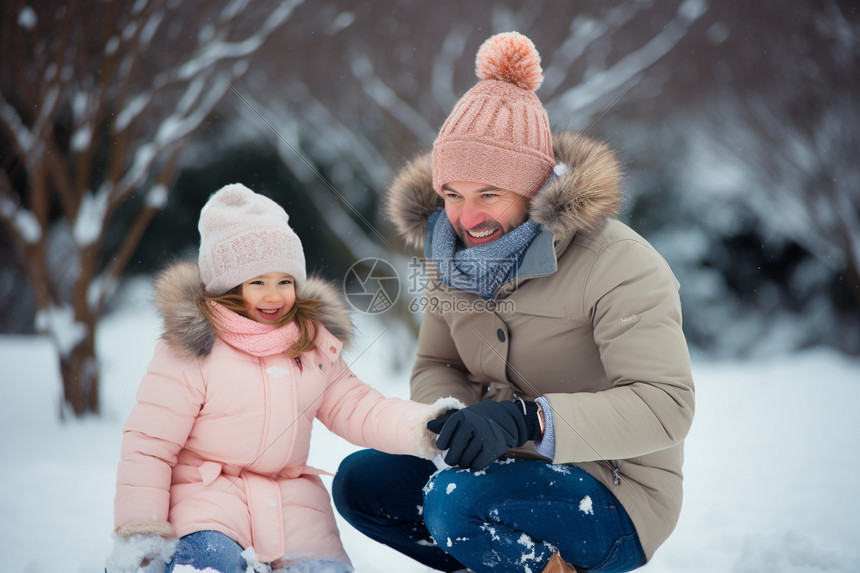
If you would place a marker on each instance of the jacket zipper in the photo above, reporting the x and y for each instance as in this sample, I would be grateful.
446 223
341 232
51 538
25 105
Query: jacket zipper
616 472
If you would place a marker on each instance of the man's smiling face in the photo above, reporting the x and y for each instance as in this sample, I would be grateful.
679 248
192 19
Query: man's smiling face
481 213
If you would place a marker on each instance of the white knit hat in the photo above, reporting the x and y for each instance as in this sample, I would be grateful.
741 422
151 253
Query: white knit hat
243 235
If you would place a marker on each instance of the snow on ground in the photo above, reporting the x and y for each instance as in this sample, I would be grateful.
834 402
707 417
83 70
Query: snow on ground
771 465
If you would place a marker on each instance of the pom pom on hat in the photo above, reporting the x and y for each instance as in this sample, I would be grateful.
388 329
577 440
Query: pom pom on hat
512 58
243 235
498 133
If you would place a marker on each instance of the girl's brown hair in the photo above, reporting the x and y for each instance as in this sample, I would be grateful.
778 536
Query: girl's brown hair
304 312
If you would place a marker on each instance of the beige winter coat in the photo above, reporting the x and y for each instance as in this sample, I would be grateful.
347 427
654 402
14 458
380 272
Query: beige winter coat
593 323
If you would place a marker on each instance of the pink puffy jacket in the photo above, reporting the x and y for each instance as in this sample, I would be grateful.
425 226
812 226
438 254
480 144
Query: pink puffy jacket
219 439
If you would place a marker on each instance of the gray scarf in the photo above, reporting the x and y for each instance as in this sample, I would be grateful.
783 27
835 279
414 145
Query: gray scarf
478 270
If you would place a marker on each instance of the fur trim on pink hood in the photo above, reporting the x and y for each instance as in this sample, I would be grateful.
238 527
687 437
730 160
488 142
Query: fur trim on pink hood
219 439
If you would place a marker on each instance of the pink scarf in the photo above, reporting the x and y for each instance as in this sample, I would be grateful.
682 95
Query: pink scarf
251 336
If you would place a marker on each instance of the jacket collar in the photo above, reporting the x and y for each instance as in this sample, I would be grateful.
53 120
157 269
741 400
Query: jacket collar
584 191
188 331
541 258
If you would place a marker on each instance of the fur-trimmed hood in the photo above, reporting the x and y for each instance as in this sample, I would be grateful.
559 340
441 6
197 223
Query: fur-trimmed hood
187 330
584 193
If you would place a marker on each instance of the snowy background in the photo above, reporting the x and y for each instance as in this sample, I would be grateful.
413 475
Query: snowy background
738 125
771 465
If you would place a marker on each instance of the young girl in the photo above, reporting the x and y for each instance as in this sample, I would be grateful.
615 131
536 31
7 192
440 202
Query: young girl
213 464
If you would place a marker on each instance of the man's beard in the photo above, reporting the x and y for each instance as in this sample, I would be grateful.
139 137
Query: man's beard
489 225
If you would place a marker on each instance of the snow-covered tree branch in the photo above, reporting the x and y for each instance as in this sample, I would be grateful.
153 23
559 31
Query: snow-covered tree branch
601 80
96 116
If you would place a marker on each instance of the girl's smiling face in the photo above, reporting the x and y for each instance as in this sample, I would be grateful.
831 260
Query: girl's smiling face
268 297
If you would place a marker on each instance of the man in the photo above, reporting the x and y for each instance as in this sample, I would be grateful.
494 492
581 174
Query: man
557 324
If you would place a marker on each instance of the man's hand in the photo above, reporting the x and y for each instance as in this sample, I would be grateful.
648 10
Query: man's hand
437 424
478 435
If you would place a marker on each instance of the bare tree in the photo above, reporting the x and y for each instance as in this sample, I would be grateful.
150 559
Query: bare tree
95 108
603 77
369 101
785 144
801 167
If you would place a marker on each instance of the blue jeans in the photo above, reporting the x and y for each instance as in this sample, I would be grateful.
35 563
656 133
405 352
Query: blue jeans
211 549
510 517
216 551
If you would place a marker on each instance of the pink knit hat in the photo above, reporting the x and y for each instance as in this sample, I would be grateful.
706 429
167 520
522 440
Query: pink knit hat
498 133
242 235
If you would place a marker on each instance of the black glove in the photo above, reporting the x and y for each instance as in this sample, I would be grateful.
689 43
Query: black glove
478 435
437 424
